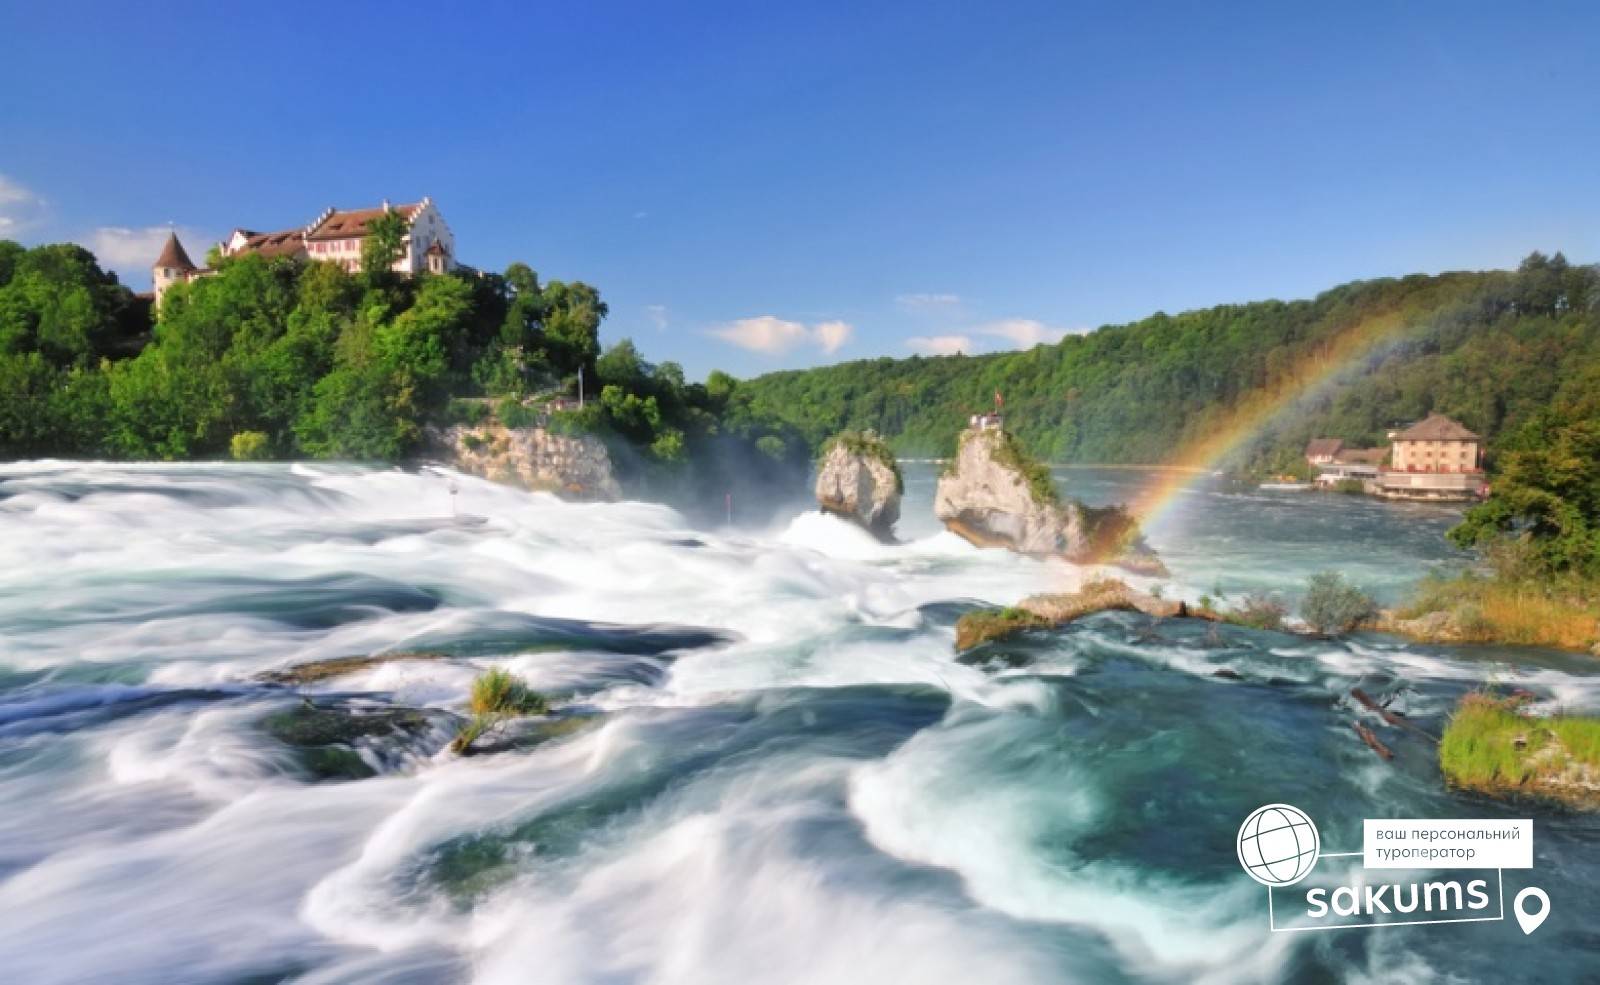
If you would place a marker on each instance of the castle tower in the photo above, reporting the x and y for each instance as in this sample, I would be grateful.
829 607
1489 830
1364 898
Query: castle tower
172 266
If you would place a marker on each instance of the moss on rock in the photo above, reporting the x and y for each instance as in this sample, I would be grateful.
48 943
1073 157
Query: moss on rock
317 671
1493 746
983 625
325 738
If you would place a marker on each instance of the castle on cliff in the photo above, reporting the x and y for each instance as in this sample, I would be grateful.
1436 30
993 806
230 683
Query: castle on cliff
333 237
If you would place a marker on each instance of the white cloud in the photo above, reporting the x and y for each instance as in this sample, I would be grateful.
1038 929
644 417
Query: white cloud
657 313
774 336
764 333
1023 333
125 249
1018 333
20 208
939 345
832 334
928 302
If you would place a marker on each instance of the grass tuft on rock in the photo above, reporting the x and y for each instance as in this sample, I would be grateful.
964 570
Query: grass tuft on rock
1493 746
1008 452
1258 610
1470 608
866 444
499 692
983 625
497 696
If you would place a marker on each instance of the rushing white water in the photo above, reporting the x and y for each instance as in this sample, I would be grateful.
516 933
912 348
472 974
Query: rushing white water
786 775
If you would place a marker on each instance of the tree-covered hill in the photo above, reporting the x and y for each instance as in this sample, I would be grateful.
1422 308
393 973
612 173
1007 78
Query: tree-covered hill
284 358
1489 349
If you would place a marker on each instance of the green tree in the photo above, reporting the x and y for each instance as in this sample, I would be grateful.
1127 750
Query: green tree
384 243
1332 605
572 316
249 446
390 376
1546 490
56 301
623 366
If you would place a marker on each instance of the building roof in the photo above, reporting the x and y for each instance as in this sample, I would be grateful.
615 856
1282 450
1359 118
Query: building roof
1320 447
351 223
1362 456
284 243
1436 427
173 255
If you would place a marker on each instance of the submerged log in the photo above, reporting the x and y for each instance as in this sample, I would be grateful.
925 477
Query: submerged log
1372 740
317 671
1399 721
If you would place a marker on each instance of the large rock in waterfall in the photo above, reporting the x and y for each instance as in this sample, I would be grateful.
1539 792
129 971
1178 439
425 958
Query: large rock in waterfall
572 466
858 478
994 495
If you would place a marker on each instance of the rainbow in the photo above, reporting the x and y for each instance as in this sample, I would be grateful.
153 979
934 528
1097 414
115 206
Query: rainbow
1237 426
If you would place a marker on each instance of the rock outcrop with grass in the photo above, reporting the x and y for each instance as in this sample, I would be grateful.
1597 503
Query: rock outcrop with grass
1054 610
994 495
571 466
1504 608
859 479
1494 746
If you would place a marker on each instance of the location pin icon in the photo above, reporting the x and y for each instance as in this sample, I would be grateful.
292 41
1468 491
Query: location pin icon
1531 919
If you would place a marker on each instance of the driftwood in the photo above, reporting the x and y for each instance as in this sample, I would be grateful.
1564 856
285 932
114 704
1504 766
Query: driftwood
1372 740
1399 721
321 670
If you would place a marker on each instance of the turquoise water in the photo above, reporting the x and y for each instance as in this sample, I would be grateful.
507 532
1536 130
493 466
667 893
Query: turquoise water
776 769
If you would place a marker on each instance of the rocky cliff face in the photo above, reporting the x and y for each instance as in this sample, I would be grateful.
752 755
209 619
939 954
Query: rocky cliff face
993 496
987 497
576 467
857 479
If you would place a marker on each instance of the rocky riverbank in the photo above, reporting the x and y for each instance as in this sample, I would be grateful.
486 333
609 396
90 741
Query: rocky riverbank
571 466
1471 608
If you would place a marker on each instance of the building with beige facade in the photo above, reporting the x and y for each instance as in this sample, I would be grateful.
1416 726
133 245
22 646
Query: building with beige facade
1436 458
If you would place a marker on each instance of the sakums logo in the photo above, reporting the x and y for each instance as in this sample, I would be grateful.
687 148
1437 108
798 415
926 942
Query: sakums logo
1279 846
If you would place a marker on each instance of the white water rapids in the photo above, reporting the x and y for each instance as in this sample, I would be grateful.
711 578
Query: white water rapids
788 775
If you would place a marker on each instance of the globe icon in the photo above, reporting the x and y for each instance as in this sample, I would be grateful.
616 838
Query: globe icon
1278 845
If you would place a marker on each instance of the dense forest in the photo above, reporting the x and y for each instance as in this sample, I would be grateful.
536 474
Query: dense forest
284 359
1490 349
281 358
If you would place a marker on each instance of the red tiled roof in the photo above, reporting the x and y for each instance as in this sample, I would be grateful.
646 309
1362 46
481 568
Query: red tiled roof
285 243
1319 447
1436 427
173 255
351 223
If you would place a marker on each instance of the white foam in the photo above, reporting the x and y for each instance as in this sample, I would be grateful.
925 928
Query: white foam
934 801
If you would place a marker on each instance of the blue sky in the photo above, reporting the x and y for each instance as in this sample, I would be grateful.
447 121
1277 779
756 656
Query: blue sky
763 186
